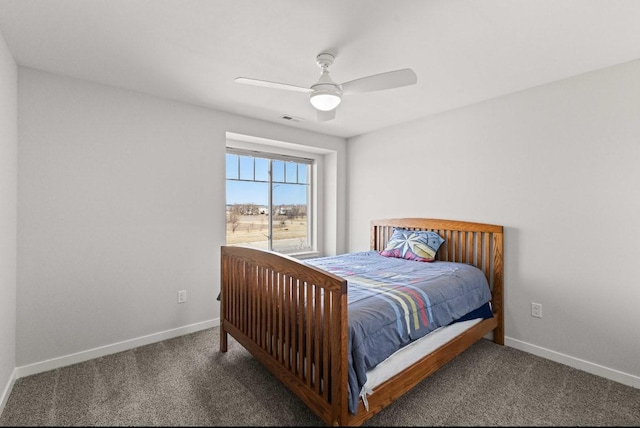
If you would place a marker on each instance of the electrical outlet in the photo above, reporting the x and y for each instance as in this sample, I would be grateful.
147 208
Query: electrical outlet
536 310
182 296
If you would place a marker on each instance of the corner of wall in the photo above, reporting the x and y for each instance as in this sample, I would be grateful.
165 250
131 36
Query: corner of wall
4 397
8 217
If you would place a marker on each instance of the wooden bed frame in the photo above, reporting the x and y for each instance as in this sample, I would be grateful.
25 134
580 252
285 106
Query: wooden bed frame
293 317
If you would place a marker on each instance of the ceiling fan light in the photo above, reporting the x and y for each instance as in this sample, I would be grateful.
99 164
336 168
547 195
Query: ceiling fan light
324 100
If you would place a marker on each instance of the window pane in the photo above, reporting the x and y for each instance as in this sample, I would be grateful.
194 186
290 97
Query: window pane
232 166
302 173
247 214
291 172
262 169
246 168
278 171
290 221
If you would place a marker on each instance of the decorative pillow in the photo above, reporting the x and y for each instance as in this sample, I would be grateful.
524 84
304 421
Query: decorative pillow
415 245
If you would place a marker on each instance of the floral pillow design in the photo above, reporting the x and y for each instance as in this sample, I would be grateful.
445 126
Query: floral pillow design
415 245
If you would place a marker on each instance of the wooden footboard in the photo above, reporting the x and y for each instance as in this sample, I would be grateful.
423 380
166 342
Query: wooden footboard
293 317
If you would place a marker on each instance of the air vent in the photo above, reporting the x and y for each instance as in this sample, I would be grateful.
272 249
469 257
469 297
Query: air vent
291 118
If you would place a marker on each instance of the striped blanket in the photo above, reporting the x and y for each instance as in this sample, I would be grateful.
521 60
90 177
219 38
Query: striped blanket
393 302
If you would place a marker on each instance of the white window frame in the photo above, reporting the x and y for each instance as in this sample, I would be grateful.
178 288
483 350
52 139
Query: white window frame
281 151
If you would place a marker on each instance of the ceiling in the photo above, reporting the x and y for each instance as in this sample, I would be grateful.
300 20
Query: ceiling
463 51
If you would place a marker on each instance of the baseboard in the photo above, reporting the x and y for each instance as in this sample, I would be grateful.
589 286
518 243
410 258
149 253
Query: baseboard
102 351
7 390
576 363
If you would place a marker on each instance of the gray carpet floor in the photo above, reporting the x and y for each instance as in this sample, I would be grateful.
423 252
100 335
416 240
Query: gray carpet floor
186 381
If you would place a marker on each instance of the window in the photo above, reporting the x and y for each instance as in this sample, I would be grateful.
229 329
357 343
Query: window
269 201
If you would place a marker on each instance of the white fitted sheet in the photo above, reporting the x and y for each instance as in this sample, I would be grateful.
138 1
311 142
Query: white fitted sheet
410 354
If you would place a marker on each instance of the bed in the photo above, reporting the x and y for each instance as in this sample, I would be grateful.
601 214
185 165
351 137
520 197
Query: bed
299 320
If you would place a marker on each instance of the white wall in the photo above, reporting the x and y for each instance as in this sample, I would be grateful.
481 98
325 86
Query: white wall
559 167
8 212
121 204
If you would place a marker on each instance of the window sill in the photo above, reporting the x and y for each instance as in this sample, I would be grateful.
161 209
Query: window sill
305 255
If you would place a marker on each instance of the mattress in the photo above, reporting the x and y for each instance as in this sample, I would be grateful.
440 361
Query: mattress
410 354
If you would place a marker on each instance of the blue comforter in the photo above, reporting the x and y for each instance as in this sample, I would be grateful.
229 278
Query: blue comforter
393 302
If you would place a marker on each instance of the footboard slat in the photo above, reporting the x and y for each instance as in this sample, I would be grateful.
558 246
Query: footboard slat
326 344
308 333
317 340
281 314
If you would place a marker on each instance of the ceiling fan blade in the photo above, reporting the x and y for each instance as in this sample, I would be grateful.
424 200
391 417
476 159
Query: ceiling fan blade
377 82
323 116
275 85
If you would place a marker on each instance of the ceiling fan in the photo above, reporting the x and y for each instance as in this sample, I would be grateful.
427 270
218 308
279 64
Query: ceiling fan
325 95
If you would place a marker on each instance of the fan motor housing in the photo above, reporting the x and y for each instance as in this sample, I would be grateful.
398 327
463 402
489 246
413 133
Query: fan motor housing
324 59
